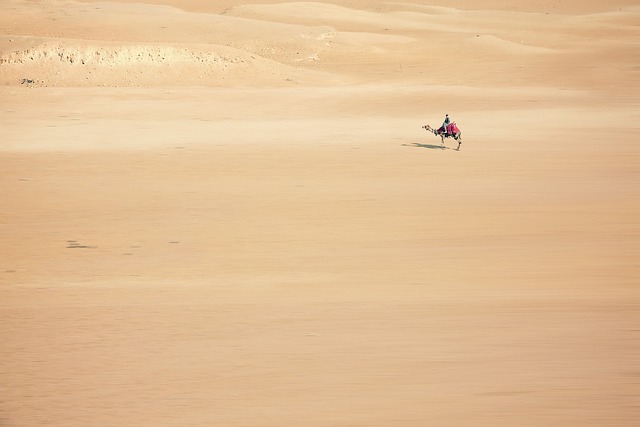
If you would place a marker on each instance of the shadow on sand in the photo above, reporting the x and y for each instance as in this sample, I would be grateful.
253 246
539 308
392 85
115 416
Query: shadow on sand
429 146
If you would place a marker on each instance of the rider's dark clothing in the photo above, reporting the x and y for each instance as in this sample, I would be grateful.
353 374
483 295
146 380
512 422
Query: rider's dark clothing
446 123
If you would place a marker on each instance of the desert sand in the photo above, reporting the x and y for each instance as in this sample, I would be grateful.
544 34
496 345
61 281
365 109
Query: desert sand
226 213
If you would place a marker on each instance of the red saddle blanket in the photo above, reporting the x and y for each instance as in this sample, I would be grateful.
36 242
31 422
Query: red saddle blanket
452 129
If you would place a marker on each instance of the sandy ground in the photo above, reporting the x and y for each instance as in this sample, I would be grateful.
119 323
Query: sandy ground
226 213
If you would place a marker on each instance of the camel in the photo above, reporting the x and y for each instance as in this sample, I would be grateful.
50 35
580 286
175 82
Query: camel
452 131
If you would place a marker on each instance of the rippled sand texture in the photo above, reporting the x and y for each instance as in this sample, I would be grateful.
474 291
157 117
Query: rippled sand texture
226 213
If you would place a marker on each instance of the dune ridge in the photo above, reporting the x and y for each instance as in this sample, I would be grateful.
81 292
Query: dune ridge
85 54
87 62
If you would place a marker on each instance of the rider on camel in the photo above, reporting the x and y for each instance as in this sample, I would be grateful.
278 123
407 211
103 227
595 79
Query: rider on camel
446 122
448 129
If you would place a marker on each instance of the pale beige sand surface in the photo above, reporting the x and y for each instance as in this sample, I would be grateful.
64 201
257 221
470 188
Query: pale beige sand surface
226 213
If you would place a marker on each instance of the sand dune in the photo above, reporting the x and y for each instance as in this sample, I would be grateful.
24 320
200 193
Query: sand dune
90 63
169 46
118 50
226 213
